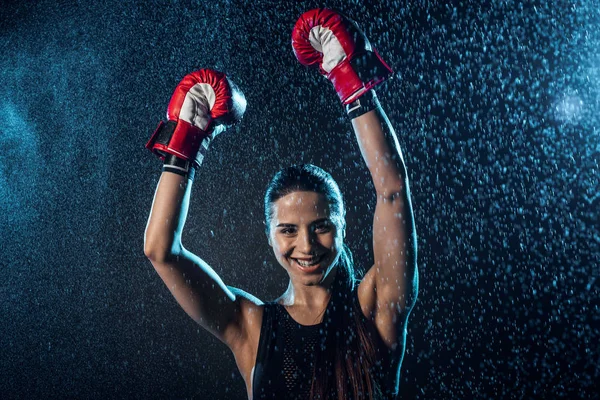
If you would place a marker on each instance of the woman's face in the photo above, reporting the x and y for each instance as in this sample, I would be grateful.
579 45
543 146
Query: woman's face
304 239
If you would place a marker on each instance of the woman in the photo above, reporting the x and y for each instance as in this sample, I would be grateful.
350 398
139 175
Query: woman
329 335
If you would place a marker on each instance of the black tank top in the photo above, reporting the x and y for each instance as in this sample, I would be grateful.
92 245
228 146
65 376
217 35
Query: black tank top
285 358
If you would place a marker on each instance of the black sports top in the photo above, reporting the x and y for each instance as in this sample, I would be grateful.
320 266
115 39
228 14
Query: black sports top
285 358
284 361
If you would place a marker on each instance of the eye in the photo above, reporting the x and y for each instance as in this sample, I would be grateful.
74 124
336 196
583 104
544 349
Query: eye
288 231
323 227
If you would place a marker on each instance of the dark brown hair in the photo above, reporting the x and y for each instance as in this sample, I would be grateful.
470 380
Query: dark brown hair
346 355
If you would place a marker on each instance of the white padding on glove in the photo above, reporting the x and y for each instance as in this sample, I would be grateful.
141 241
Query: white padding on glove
197 105
325 42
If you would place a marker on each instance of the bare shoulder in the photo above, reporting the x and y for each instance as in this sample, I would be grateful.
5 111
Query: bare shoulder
248 321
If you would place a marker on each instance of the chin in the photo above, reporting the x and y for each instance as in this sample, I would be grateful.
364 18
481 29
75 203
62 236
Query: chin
312 281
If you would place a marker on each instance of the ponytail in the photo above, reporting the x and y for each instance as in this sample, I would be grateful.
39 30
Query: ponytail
346 356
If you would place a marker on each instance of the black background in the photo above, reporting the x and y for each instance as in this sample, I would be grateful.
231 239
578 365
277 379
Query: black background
496 108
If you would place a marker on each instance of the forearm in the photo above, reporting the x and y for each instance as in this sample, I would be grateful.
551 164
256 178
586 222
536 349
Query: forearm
382 154
167 217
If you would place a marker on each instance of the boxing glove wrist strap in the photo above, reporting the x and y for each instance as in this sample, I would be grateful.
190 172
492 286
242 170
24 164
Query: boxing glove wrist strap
179 166
353 77
365 103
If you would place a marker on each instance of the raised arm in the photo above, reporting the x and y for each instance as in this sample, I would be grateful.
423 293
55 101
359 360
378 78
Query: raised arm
202 102
394 236
332 42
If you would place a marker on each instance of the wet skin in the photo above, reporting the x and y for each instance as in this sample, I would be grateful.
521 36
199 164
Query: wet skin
306 243
303 229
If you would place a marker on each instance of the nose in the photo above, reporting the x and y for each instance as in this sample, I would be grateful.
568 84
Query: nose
305 242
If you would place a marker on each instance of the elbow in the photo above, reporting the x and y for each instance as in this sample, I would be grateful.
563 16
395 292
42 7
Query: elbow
152 253
391 194
393 189
160 249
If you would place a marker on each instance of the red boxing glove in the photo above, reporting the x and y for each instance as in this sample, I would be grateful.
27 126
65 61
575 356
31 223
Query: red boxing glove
203 104
341 50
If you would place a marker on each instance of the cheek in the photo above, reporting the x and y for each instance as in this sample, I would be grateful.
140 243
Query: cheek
337 236
278 247
338 242
332 242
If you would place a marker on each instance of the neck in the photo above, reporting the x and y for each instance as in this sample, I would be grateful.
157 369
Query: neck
310 296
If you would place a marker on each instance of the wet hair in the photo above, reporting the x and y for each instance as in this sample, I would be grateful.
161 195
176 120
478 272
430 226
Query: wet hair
346 346
305 178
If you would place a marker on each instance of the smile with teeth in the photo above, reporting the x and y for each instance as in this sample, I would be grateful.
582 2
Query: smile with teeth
309 263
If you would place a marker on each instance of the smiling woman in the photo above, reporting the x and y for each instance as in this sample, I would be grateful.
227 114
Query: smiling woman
329 335
305 225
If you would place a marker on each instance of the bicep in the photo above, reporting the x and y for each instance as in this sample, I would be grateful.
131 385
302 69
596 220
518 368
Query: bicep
393 228
394 246
203 296
388 319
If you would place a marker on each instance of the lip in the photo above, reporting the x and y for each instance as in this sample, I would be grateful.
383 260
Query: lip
309 269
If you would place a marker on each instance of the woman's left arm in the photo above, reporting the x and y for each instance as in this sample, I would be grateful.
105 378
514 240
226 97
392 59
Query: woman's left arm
394 273
328 40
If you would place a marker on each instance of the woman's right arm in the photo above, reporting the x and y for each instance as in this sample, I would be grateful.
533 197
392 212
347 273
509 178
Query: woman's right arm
194 284
220 309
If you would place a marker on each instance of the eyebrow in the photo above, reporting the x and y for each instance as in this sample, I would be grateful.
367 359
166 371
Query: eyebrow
286 225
